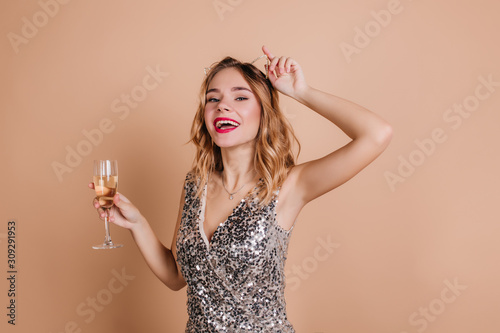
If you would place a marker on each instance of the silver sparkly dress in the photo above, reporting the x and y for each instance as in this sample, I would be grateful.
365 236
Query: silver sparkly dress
236 282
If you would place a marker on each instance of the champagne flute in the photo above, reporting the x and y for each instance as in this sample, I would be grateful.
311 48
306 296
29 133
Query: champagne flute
105 183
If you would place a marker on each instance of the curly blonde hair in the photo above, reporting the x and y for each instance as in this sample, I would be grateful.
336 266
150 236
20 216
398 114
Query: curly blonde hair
274 155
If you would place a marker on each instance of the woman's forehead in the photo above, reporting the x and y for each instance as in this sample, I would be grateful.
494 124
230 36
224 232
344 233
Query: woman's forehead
228 78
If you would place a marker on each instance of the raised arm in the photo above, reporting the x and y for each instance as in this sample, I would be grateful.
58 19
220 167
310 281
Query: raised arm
159 258
370 134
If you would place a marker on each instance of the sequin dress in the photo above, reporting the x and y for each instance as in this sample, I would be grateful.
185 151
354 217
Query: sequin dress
236 282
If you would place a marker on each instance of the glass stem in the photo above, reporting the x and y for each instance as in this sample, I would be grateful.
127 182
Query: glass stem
107 240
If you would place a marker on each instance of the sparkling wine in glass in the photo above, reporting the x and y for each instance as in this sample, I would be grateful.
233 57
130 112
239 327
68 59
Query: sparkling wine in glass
105 183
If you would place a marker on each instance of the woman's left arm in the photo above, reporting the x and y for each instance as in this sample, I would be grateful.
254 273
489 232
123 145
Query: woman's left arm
370 134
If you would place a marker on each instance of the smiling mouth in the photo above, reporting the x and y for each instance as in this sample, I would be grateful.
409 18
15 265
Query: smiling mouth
223 125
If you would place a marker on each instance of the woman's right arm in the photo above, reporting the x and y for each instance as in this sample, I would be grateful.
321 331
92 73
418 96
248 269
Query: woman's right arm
159 258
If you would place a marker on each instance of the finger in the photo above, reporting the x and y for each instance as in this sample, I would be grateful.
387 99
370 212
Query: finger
101 212
114 214
272 59
288 64
271 75
95 202
267 52
91 185
272 65
111 214
121 197
281 65
278 66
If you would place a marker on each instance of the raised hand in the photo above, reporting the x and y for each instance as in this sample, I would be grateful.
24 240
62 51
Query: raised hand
286 75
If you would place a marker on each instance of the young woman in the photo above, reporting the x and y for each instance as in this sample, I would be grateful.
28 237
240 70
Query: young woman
242 197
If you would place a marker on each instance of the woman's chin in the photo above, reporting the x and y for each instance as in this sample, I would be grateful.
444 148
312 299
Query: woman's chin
231 144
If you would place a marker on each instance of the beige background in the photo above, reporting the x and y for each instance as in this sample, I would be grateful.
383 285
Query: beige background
395 248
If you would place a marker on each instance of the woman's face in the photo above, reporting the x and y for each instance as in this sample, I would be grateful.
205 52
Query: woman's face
232 111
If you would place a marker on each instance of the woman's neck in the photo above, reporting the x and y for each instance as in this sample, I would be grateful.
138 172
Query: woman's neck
238 166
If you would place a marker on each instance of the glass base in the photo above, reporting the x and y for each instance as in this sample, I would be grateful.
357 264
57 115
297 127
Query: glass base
106 246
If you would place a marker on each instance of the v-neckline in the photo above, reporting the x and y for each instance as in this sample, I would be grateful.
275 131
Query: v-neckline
201 219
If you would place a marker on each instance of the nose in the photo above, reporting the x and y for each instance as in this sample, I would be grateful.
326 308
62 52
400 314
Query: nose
222 108
223 105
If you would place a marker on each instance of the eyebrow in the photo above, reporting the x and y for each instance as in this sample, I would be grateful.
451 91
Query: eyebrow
232 89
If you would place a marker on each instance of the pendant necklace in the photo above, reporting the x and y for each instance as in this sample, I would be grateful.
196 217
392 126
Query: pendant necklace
231 194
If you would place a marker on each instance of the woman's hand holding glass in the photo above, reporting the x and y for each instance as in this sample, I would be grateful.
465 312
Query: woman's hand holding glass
123 213
111 206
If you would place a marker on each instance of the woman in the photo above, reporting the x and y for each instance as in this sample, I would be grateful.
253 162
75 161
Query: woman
232 232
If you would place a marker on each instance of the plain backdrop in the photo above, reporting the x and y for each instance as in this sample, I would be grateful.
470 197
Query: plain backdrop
409 245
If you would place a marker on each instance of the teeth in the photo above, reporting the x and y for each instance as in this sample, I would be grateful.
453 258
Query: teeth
221 123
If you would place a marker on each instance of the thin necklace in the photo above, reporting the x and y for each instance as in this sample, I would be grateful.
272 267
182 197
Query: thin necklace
231 194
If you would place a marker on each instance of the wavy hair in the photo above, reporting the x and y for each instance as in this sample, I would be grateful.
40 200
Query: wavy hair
274 155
